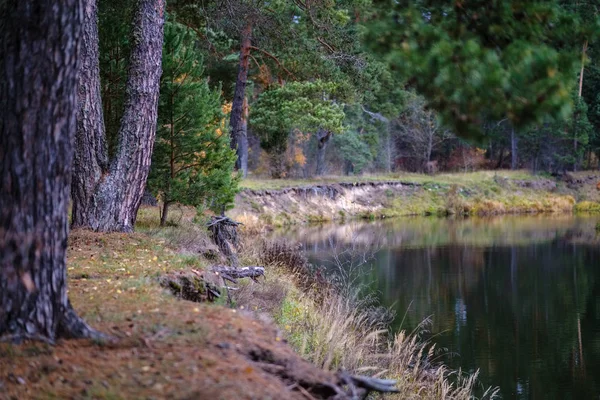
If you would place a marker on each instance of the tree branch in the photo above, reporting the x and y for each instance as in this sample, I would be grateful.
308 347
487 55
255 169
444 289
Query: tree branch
266 53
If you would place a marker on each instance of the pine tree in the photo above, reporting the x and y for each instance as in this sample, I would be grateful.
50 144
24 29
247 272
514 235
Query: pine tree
305 106
192 162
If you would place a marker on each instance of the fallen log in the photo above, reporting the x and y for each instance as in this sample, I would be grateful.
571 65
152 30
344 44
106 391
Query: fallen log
190 286
223 220
232 274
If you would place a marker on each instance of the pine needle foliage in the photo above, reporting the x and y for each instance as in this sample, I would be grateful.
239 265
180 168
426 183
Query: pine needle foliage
192 163
306 106
484 60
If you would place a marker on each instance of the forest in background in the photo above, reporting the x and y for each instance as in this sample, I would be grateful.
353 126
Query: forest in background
304 90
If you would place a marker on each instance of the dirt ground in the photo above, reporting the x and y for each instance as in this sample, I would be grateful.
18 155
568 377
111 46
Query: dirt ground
166 348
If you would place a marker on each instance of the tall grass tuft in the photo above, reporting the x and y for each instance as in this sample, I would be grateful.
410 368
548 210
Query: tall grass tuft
336 326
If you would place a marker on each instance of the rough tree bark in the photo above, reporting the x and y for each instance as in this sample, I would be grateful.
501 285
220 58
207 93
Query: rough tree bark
237 123
39 49
323 137
90 160
118 191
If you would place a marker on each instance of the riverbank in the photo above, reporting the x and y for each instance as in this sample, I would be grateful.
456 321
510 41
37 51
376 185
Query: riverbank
285 337
272 203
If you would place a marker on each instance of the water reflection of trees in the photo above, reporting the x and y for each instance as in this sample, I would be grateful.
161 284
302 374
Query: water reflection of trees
519 300
419 232
523 315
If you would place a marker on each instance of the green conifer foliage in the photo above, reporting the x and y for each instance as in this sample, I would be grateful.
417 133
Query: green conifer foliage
481 60
306 106
192 163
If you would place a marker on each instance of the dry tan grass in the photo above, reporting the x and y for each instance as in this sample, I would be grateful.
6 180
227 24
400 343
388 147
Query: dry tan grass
336 331
338 335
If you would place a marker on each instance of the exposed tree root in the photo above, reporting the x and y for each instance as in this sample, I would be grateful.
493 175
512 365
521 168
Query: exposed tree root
19 338
72 326
313 385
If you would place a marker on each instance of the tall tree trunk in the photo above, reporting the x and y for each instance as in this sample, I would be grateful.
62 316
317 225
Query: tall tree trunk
38 97
118 192
323 137
90 160
244 146
237 125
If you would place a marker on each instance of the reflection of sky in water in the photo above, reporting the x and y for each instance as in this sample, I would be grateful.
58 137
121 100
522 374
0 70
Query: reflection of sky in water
517 297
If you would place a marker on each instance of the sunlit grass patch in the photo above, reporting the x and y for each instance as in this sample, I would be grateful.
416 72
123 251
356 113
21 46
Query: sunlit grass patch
588 206
462 178
480 193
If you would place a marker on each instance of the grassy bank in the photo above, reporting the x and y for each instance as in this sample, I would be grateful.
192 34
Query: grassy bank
335 327
176 348
443 179
282 202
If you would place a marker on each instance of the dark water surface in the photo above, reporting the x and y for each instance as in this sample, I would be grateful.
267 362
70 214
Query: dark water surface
516 297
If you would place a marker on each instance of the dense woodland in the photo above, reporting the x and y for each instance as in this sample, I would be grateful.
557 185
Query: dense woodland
316 88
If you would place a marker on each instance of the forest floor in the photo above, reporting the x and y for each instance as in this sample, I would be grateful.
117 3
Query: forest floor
166 348
270 203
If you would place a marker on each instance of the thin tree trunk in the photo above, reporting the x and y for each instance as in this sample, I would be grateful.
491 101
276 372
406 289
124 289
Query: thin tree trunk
500 158
583 52
429 148
165 212
118 192
237 127
38 97
323 137
513 149
388 167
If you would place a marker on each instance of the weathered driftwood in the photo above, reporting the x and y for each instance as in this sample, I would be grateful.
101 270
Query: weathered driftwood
222 220
223 231
359 386
232 274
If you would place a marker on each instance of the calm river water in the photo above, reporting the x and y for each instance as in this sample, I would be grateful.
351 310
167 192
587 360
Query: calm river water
517 298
